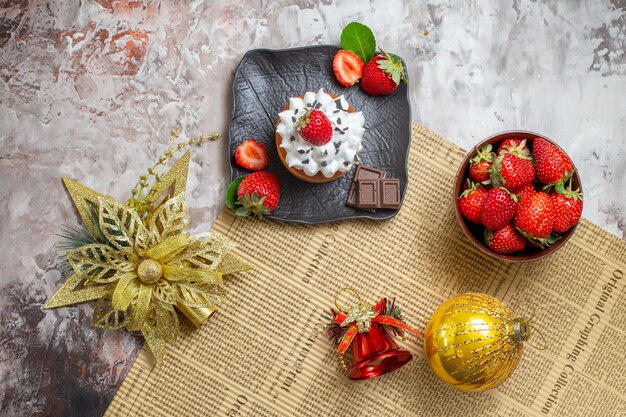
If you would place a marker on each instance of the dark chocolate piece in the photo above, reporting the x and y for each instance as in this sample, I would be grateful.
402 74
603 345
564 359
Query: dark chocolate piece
368 195
389 193
362 172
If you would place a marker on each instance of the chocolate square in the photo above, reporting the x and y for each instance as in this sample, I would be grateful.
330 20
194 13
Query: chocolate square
365 173
389 193
368 195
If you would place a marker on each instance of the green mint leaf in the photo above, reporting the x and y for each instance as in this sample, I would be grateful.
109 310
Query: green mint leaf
231 193
359 39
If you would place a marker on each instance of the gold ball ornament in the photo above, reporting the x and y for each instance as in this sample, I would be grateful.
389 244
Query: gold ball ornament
149 271
473 342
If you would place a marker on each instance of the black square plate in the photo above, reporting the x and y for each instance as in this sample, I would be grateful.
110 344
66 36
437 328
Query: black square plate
263 84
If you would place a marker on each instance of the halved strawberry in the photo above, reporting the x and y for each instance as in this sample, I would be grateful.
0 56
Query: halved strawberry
348 67
251 155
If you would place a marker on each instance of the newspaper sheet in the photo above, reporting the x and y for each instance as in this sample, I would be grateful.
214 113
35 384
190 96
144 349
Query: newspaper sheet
264 353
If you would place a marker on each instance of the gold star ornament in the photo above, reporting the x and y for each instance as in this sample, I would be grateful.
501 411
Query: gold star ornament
141 265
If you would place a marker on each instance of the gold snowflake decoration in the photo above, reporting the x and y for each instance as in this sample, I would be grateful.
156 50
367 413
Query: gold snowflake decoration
145 265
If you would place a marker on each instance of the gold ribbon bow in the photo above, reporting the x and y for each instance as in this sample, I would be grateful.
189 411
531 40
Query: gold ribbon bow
144 264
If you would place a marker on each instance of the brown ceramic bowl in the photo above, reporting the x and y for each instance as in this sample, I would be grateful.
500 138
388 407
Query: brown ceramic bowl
475 232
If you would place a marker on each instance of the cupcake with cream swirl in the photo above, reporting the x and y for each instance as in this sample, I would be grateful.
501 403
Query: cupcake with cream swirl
318 136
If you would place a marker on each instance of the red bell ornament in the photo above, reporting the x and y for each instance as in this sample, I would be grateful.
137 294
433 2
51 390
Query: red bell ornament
364 329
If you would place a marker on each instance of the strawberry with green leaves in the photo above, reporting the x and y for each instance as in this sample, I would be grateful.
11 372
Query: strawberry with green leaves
314 127
471 201
535 218
498 208
568 207
505 240
517 147
512 171
256 194
551 163
480 164
382 75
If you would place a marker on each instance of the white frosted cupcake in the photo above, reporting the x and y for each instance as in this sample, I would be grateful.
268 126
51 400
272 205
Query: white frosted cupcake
319 151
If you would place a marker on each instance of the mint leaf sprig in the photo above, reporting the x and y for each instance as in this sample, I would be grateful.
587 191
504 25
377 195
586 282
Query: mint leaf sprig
358 38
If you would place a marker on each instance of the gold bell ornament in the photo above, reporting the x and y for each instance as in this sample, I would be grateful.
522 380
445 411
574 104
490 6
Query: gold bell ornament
473 342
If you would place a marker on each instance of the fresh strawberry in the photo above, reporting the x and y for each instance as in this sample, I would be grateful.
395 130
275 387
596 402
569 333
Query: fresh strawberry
526 191
512 172
568 206
259 194
506 240
348 67
471 201
551 163
251 155
515 146
535 216
480 164
498 208
382 75
315 127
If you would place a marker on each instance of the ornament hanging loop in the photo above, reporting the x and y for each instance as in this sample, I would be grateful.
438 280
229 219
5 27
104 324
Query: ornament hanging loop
347 290
529 329
544 343
528 303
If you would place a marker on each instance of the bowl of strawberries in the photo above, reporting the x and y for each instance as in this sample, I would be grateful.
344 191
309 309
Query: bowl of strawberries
517 196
